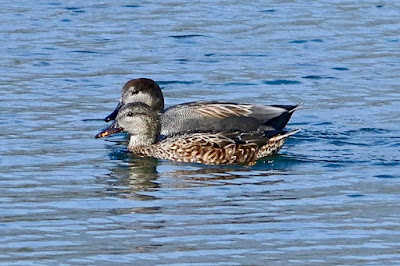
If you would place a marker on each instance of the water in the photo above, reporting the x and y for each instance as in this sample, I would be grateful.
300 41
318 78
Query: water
330 196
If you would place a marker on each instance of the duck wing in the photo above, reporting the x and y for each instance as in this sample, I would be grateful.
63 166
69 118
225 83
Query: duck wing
224 116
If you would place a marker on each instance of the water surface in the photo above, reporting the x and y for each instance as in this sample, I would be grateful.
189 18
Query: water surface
330 196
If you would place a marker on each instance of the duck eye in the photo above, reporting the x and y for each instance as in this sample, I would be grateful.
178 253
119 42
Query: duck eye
134 90
130 114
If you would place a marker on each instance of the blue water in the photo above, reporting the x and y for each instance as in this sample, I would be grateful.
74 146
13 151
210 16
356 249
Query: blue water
330 197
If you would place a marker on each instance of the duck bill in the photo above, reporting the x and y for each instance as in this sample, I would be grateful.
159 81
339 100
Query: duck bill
112 129
114 114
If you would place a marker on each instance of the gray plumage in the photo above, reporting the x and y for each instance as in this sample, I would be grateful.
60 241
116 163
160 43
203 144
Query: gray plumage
204 115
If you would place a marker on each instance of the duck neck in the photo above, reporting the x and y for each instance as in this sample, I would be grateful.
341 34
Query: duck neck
139 141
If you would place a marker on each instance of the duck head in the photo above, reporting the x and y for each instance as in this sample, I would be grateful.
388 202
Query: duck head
139 120
141 90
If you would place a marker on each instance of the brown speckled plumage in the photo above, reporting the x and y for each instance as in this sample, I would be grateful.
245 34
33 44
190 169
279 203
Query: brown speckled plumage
201 147
212 148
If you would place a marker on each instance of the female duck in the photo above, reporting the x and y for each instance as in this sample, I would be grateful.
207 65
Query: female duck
204 115
143 125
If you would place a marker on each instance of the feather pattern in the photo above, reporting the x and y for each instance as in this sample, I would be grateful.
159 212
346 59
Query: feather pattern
216 148
222 110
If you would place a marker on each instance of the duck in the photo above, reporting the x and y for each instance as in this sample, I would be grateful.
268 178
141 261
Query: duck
211 147
204 115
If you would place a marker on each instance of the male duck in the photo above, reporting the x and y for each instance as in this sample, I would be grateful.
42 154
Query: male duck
144 126
204 115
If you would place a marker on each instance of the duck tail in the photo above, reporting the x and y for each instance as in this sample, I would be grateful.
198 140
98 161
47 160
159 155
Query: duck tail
286 134
281 120
274 144
296 107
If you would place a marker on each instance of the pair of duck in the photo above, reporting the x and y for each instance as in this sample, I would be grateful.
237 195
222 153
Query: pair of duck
206 132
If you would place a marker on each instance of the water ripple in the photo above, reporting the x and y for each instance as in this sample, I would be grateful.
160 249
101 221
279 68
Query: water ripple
329 197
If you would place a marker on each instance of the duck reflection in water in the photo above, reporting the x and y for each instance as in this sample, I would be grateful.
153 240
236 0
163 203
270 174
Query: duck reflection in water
137 178
130 174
